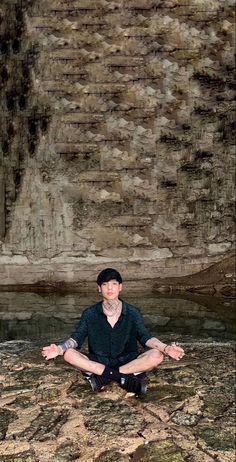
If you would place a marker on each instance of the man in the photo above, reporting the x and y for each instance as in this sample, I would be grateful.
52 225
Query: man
113 328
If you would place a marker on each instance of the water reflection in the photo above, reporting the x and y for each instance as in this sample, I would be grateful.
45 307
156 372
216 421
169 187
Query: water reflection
52 316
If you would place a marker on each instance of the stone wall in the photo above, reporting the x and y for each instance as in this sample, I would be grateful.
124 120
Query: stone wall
116 138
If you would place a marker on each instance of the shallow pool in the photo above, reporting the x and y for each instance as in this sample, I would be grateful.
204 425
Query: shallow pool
185 318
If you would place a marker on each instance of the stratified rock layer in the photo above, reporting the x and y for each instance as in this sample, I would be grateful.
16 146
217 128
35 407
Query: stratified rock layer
117 146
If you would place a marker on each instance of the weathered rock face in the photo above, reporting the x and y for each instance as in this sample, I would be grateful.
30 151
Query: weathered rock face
116 127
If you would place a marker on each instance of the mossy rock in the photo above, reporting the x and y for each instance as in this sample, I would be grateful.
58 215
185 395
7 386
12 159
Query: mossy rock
112 456
111 417
186 376
80 390
216 404
217 438
67 452
167 393
48 394
23 402
6 417
160 451
182 418
31 376
47 425
27 456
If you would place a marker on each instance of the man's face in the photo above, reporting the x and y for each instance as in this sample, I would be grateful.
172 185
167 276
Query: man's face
110 290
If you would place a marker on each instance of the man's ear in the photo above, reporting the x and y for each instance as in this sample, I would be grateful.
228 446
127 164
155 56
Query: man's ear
99 289
120 287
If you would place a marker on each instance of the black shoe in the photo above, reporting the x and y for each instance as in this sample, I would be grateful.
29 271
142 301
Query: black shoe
96 381
134 383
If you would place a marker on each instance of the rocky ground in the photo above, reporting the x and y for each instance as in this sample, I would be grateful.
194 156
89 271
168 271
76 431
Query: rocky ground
48 413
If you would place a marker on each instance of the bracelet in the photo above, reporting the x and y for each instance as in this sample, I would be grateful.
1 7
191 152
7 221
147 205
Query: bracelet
61 350
164 351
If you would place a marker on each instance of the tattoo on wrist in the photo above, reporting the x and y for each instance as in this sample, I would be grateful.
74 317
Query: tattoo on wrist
70 343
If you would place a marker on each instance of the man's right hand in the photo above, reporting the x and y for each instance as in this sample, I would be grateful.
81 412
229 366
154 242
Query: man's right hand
50 352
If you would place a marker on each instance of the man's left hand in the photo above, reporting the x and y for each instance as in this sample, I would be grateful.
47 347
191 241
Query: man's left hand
175 352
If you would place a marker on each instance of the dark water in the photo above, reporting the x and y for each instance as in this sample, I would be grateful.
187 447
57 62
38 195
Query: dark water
51 317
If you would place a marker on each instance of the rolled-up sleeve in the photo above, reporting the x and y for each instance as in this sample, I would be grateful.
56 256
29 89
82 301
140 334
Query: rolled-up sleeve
143 334
81 331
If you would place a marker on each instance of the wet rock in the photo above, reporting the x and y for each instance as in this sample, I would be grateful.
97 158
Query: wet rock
15 346
67 452
30 376
54 416
217 438
215 403
79 389
47 425
211 324
6 417
152 320
112 417
27 456
227 290
181 418
161 451
187 376
167 395
23 402
48 394
194 405
112 456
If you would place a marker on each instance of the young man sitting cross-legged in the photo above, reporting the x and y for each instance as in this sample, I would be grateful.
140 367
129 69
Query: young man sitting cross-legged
113 328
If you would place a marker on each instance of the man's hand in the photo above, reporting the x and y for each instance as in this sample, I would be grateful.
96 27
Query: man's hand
175 352
50 352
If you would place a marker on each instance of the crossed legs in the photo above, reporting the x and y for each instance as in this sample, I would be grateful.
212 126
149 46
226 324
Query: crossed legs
144 362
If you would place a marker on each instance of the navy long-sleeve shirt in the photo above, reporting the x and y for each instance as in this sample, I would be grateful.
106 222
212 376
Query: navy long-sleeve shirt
109 343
